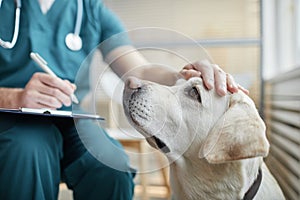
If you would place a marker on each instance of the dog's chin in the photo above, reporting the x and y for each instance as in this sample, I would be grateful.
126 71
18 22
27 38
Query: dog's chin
158 144
154 141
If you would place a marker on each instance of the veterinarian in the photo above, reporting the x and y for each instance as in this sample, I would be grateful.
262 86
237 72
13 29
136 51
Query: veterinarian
36 153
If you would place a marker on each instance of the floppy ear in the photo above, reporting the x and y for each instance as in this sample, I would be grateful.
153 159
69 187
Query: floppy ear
238 134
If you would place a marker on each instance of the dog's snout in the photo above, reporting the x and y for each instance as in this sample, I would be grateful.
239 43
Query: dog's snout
133 83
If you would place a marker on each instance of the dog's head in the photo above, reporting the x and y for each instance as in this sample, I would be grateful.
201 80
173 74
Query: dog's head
186 118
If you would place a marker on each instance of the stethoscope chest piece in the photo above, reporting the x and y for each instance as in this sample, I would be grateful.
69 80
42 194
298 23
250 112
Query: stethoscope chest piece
73 42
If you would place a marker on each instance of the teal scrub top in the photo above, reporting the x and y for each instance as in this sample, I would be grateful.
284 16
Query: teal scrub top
45 34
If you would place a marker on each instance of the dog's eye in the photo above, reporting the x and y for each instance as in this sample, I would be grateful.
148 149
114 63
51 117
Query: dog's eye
194 93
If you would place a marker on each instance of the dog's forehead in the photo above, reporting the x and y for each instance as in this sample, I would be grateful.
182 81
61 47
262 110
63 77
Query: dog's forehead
196 81
209 98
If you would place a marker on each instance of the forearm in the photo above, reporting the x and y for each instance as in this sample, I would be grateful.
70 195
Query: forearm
10 97
159 74
127 61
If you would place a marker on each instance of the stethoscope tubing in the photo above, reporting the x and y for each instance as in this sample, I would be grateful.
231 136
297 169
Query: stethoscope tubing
78 17
12 43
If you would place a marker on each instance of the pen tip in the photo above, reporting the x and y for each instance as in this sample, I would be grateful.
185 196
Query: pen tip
74 99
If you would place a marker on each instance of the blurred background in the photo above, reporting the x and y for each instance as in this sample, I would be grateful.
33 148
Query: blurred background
257 41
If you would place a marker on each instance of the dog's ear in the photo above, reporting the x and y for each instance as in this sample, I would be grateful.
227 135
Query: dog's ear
238 134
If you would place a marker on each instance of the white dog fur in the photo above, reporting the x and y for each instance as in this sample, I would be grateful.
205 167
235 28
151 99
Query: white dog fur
215 145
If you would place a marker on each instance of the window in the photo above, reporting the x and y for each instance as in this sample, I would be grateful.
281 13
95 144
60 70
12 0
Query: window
298 31
281 39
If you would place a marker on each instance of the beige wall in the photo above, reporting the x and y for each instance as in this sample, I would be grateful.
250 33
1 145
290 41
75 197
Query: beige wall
197 18
203 19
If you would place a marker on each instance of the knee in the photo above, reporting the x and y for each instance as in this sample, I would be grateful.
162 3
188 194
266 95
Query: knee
113 179
119 179
111 184
98 180
33 139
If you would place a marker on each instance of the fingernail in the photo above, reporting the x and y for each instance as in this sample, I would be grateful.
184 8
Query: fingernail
235 85
68 103
210 84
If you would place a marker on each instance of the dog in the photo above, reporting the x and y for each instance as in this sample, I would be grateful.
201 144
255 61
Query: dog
215 145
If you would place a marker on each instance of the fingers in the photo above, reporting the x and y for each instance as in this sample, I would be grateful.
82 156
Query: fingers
34 99
220 80
51 95
205 70
208 77
213 76
233 87
189 73
44 90
231 84
243 89
71 85
63 86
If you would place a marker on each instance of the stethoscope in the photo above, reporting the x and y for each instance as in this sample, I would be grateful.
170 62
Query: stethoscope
73 40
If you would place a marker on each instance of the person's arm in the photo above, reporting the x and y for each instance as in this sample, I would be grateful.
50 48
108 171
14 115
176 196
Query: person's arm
126 61
42 91
10 97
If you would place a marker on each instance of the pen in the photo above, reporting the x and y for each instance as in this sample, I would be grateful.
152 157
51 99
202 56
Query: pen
44 65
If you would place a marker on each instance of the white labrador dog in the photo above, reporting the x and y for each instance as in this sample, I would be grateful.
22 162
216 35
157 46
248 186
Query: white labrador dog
215 144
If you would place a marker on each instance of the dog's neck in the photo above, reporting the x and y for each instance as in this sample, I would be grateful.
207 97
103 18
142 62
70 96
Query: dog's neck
201 185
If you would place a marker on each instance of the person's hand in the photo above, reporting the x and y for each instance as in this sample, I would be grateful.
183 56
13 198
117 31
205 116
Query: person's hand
213 76
45 91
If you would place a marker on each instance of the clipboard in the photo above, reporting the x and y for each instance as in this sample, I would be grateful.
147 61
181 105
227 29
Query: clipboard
51 113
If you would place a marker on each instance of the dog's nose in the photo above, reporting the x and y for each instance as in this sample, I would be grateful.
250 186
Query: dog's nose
133 83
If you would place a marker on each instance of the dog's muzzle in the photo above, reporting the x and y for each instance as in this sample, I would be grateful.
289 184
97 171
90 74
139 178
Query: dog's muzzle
138 106
137 102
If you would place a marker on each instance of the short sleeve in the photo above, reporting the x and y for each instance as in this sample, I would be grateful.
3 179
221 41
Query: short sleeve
112 30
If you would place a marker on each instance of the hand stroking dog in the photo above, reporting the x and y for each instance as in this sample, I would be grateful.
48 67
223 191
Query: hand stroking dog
215 145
